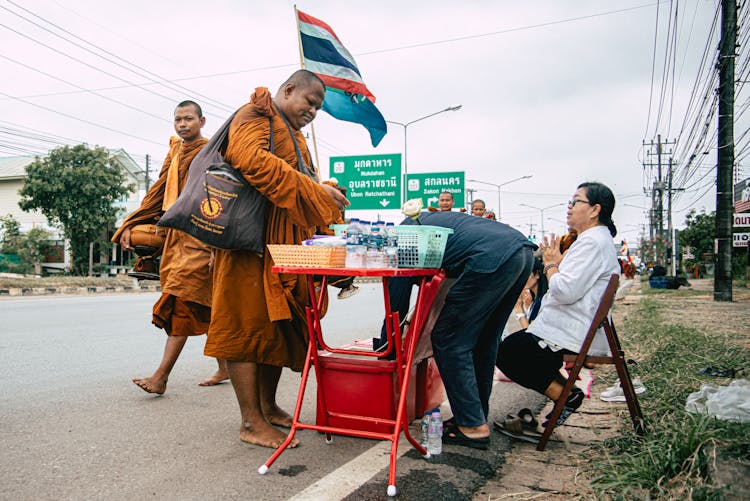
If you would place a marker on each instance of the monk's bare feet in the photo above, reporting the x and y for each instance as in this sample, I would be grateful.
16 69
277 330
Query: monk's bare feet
277 416
265 435
151 384
218 378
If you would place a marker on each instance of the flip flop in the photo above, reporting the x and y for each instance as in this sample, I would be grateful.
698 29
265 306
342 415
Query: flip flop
527 436
714 371
453 435
527 419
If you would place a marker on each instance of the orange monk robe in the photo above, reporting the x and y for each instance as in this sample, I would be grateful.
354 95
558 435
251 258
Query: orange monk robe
183 272
257 315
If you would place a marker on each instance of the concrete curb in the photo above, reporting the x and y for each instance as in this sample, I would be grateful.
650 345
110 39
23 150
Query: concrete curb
48 291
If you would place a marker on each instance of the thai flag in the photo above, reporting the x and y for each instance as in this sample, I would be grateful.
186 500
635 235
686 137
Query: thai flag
347 97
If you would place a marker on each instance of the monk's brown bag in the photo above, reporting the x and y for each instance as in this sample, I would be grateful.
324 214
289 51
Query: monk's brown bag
218 206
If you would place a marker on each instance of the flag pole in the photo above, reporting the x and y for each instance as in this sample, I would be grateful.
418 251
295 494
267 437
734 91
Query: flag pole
302 65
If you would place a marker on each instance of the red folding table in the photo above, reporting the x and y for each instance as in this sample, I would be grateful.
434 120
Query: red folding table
404 354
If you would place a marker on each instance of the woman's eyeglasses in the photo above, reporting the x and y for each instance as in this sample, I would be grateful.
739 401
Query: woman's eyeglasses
572 203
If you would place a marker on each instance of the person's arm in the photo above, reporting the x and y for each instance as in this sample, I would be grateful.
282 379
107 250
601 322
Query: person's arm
519 310
150 209
306 202
577 273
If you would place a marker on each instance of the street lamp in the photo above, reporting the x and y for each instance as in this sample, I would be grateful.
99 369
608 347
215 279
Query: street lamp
541 210
498 186
407 124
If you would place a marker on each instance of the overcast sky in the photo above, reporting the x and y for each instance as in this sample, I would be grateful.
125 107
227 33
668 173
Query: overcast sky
554 89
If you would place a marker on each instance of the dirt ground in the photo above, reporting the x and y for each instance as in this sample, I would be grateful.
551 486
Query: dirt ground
559 472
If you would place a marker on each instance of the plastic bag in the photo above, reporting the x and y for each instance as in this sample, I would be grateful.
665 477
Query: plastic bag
728 403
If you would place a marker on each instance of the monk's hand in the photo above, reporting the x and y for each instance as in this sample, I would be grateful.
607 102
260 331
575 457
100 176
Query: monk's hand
125 239
338 198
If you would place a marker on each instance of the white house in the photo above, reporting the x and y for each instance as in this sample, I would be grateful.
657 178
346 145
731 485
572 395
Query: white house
13 175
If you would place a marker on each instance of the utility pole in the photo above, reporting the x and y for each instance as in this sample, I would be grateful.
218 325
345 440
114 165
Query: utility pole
725 166
148 177
470 198
672 246
658 188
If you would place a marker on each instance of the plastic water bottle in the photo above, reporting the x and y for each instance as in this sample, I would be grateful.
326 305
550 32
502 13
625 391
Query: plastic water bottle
435 434
355 251
391 246
425 428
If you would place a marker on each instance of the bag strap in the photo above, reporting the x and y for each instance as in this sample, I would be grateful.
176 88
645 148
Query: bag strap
224 141
304 168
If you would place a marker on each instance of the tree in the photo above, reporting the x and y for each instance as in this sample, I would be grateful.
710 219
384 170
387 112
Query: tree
76 188
30 248
10 235
698 233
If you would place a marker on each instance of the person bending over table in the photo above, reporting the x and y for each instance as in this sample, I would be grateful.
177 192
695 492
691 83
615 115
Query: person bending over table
491 262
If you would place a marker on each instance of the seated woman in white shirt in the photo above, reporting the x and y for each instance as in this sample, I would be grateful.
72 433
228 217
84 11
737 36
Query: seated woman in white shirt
577 281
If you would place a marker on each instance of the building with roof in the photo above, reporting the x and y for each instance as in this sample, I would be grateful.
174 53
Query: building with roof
13 176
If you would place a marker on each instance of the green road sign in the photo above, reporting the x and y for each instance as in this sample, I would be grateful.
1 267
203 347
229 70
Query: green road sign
428 187
371 181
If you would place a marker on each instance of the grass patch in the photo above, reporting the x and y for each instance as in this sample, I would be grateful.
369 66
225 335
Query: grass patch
676 456
64 281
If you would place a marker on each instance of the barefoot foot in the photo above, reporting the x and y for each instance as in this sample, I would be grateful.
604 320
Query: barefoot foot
151 384
217 378
265 435
277 416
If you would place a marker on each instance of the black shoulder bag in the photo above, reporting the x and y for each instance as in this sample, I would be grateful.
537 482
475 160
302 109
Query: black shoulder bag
217 205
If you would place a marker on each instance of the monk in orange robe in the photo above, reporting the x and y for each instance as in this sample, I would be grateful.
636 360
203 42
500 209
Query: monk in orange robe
258 320
184 308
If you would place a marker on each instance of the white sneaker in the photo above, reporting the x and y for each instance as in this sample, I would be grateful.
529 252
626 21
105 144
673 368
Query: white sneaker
616 394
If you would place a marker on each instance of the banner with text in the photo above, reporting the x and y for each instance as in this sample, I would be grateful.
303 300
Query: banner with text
371 181
429 186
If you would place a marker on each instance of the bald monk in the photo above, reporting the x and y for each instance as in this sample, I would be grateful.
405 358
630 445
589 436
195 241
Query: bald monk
258 320
184 308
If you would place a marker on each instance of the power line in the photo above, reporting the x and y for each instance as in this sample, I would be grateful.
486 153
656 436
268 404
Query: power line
160 81
80 119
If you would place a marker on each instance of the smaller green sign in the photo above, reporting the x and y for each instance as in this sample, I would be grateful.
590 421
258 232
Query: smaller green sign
429 186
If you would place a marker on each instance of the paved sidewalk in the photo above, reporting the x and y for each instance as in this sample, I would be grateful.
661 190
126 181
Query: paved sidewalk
42 291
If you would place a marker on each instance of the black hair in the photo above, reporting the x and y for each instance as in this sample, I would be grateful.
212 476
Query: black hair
478 200
192 103
597 193
542 284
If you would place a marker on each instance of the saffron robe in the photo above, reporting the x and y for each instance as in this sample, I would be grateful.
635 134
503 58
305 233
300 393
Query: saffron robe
183 272
257 315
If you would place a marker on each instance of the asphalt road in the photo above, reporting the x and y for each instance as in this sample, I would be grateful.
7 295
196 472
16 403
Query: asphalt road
73 425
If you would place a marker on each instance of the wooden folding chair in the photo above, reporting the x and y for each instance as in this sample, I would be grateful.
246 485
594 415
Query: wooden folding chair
601 319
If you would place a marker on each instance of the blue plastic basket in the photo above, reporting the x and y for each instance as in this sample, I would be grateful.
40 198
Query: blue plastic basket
421 246
338 229
657 282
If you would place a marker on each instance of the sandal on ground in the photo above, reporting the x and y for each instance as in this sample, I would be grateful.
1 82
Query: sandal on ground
527 419
449 422
713 371
517 432
453 435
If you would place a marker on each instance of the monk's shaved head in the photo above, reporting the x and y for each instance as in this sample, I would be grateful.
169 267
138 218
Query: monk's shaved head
303 79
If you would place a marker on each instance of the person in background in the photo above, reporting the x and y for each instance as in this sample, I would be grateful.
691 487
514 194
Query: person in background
478 208
184 308
258 319
577 280
530 300
490 215
445 201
